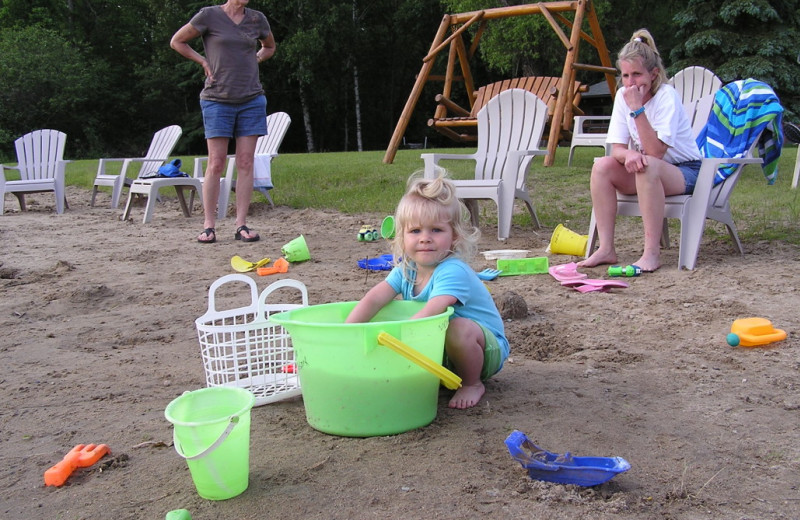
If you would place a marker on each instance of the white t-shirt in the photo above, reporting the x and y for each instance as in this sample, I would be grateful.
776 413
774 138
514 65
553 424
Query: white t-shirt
666 115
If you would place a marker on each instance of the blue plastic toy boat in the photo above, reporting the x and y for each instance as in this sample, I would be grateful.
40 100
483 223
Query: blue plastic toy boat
563 469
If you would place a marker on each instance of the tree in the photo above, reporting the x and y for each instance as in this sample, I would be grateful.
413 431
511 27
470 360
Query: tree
740 39
46 82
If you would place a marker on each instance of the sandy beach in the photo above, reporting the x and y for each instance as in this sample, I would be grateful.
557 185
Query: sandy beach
99 336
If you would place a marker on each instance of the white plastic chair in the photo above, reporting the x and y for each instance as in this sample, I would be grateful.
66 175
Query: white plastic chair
161 146
796 176
510 130
266 150
693 83
791 133
582 136
706 202
41 166
150 188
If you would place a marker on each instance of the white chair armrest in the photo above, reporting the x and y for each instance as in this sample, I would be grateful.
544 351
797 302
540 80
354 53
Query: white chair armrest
3 167
101 167
432 161
526 153
580 120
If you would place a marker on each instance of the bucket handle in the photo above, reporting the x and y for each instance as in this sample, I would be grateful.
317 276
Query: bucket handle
448 378
233 421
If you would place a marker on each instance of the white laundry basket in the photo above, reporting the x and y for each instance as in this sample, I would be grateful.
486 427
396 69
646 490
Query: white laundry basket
241 348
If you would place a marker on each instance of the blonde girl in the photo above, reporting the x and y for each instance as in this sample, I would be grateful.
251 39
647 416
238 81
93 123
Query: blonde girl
434 239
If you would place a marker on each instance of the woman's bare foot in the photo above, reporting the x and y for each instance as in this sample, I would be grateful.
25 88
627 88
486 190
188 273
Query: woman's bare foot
599 257
649 263
467 396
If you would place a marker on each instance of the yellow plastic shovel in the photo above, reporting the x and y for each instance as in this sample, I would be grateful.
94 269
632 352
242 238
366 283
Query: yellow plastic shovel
241 265
449 379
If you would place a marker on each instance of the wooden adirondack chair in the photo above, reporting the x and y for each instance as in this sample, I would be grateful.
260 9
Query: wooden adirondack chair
510 129
706 202
160 147
41 165
266 150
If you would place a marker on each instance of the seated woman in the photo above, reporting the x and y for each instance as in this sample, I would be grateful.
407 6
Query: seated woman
653 152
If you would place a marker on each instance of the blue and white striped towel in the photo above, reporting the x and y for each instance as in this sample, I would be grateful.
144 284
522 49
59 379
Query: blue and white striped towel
743 110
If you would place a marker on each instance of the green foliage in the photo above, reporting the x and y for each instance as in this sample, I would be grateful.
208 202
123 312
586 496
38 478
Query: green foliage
44 82
740 39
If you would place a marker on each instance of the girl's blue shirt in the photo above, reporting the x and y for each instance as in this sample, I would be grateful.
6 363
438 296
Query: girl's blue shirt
453 277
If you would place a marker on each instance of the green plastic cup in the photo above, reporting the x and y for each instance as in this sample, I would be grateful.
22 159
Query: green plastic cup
296 250
212 432
387 228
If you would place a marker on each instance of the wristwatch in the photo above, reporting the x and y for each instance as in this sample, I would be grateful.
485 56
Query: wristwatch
636 113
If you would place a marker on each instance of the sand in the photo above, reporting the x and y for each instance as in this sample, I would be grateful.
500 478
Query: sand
99 336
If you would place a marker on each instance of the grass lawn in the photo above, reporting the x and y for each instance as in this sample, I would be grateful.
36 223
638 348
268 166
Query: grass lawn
353 182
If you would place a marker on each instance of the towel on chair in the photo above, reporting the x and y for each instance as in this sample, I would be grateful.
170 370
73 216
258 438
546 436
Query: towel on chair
262 172
743 110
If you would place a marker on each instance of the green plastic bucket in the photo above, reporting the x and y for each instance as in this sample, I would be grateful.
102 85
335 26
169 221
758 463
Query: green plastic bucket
352 385
212 432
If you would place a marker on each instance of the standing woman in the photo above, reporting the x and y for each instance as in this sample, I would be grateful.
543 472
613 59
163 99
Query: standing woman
663 158
236 39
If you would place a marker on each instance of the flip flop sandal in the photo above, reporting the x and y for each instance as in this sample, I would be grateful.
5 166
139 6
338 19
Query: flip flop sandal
211 234
566 272
239 236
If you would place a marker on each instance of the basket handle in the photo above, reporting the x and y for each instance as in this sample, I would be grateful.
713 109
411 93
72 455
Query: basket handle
227 279
232 422
265 309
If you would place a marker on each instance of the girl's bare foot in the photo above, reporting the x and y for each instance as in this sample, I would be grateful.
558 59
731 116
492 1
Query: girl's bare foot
598 258
467 396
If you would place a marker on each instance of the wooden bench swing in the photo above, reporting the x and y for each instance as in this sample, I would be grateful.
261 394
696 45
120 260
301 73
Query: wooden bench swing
462 125
561 94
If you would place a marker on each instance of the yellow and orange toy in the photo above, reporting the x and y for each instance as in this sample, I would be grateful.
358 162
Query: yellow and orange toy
754 332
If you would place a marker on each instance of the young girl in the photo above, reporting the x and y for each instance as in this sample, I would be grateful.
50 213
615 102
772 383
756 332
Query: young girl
433 238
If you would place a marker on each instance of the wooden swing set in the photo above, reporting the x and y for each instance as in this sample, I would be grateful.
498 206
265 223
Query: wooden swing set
560 93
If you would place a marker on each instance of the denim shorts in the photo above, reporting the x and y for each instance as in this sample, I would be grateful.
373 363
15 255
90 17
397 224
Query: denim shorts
689 169
234 119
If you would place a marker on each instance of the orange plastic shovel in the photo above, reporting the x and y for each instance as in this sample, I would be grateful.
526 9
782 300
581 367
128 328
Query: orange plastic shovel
81 456
281 265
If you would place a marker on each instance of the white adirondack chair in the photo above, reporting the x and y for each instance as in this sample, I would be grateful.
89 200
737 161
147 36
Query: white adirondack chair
792 134
41 166
706 202
266 150
510 130
161 146
693 83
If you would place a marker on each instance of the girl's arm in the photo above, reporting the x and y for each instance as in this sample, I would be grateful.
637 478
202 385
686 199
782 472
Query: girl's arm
436 305
375 299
